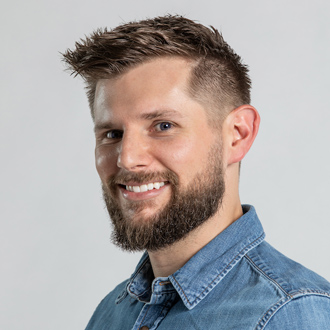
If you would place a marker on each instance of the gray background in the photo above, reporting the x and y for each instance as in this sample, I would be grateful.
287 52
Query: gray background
56 258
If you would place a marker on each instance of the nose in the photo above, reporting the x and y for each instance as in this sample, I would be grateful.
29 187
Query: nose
133 152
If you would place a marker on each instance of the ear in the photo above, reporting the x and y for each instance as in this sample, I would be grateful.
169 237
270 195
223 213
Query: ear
240 128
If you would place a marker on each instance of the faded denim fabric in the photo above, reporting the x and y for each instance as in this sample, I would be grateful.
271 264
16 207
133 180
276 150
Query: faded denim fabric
237 281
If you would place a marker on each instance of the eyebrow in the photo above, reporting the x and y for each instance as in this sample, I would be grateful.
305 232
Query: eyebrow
103 126
158 114
146 116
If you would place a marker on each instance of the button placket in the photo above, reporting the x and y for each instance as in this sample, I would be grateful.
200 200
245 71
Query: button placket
154 311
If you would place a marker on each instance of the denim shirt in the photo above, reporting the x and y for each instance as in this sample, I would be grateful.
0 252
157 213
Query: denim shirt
237 281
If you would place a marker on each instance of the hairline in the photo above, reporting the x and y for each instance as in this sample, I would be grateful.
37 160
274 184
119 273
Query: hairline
216 113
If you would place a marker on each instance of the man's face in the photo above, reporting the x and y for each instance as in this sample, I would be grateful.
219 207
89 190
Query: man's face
158 158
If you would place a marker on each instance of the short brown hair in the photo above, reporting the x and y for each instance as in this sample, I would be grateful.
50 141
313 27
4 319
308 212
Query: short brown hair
218 78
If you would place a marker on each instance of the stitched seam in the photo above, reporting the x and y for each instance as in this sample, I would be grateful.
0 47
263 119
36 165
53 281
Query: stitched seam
275 308
223 270
139 269
311 292
270 312
144 316
122 296
138 296
294 294
133 278
268 277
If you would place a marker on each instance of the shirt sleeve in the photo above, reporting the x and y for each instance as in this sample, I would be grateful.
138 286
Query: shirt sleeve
303 313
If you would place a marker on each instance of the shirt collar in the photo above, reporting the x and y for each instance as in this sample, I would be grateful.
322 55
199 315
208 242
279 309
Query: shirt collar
209 265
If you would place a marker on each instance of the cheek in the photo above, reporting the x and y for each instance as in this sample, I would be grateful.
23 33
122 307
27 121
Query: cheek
105 162
181 153
186 156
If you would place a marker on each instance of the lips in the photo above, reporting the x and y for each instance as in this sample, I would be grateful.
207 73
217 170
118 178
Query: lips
142 185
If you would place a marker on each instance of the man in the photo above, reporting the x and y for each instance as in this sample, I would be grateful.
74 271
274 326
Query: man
170 104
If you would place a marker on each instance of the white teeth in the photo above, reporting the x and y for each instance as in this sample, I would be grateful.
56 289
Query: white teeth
136 189
144 187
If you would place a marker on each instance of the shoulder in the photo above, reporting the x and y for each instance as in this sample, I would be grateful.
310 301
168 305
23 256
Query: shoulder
116 295
304 312
304 302
107 307
290 276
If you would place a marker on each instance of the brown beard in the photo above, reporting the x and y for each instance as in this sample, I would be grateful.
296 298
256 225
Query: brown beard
187 209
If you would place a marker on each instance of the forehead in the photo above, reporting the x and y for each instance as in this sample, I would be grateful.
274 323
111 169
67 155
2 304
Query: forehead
158 83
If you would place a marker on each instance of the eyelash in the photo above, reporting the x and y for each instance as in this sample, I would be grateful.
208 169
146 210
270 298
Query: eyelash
120 133
114 131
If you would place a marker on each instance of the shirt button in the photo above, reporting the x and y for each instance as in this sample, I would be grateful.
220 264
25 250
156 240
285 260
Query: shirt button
144 328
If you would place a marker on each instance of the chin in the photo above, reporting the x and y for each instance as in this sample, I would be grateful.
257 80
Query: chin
143 216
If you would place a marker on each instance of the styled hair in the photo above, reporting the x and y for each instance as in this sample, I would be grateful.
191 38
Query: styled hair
218 79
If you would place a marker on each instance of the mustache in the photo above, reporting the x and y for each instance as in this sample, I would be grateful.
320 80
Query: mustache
143 177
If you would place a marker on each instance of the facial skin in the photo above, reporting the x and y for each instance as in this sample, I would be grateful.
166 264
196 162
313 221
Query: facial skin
151 134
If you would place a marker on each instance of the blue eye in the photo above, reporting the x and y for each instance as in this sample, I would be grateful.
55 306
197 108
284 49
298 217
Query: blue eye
115 134
164 126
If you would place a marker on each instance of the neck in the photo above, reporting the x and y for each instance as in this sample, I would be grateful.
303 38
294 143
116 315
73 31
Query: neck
168 260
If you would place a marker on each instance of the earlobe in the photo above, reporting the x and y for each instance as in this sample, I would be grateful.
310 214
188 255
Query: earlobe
242 126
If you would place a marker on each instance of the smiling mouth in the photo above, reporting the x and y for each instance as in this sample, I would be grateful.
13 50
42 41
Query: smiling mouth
144 187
